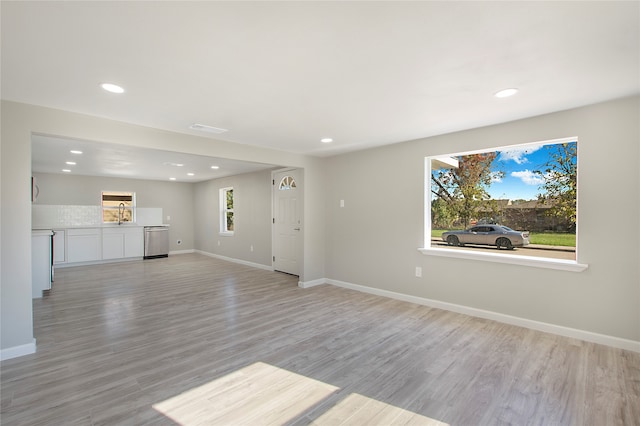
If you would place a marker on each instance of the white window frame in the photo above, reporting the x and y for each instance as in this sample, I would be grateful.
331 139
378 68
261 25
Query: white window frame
132 194
224 210
538 262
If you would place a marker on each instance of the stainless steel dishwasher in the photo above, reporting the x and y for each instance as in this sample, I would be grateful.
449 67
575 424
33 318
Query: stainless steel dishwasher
156 242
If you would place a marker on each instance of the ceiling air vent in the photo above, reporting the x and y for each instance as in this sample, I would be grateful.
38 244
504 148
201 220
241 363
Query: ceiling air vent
205 128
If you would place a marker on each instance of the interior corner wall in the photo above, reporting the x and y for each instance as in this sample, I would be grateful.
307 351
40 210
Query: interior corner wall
372 241
252 218
16 315
314 223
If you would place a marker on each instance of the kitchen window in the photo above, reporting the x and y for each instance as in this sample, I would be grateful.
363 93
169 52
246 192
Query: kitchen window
118 207
227 225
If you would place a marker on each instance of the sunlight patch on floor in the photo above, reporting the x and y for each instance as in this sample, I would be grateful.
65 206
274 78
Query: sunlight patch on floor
357 409
261 394
257 394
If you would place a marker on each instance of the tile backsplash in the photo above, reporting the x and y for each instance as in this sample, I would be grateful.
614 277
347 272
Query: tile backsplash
61 216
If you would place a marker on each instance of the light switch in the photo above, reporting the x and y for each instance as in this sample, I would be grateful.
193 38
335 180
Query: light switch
341 203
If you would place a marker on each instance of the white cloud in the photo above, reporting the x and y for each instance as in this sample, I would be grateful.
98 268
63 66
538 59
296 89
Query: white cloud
528 177
518 155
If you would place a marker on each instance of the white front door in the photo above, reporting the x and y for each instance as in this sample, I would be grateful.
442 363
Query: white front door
287 221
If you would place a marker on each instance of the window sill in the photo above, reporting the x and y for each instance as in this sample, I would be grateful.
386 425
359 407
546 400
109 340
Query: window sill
536 262
226 234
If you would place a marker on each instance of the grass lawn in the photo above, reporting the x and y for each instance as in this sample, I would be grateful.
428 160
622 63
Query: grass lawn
544 238
553 239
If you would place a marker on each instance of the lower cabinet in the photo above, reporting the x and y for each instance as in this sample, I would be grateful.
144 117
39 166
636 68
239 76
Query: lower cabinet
59 247
40 262
134 242
94 244
84 245
120 243
112 244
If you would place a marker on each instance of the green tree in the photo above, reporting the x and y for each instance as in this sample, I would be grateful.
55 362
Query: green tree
465 189
560 187
442 216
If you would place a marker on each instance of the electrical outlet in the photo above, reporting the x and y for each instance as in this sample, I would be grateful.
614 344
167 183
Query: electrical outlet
218 242
418 272
341 203
168 218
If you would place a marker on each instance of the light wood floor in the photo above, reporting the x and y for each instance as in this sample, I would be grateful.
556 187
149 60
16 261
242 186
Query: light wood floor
194 340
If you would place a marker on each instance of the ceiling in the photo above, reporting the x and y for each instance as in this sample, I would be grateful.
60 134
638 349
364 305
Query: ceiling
283 75
53 155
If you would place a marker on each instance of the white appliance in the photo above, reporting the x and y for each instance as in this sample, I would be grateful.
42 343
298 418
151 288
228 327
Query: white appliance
41 261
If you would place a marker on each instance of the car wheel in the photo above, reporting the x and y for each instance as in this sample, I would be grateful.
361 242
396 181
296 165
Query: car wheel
504 242
452 240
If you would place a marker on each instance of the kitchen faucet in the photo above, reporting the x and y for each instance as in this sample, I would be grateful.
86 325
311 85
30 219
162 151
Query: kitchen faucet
120 213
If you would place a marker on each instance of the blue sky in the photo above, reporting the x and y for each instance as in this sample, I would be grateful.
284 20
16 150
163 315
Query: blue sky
518 164
519 181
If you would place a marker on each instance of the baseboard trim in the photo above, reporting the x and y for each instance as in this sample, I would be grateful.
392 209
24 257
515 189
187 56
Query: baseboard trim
240 261
181 252
312 283
96 262
603 339
17 351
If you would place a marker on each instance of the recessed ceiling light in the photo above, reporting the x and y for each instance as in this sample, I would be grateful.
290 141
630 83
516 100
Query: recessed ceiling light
71 163
168 163
172 178
75 151
215 167
113 88
66 170
326 140
205 128
190 174
506 93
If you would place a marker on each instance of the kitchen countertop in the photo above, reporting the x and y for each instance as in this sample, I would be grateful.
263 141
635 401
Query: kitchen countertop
103 226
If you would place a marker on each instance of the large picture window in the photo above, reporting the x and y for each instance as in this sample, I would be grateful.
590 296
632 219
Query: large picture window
518 200
227 225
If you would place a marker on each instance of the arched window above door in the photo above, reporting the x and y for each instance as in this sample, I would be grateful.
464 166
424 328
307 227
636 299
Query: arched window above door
287 182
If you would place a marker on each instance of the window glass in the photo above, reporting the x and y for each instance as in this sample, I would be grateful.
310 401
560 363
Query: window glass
227 225
286 183
529 191
118 206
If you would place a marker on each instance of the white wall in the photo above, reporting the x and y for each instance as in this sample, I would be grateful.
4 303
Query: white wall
16 320
19 121
373 240
174 198
252 217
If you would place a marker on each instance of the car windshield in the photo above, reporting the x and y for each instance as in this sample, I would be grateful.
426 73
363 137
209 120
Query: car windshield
506 228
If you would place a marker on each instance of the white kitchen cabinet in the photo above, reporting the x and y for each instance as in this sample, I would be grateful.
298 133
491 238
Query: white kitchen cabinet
84 245
59 247
122 242
134 242
40 262
112 244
